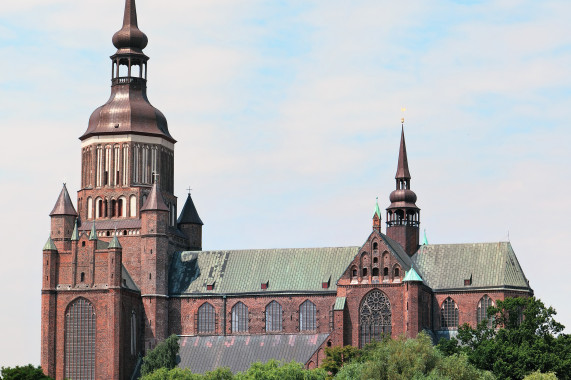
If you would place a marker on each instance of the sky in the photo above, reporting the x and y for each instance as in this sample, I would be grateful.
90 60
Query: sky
287 116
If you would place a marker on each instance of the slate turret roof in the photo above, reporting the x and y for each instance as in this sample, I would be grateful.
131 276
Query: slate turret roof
189 215
63 204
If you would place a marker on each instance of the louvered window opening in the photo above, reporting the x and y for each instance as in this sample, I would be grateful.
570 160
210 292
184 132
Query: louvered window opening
80 341
307 316
273 317
240 318
483 305
206 319
449 314
374 317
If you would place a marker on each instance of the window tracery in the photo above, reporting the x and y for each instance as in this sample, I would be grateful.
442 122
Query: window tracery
374 317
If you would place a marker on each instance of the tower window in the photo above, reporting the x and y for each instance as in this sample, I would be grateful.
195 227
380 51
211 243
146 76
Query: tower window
375 272
364 272
397 272
375 260
79 340
82 277
375 245
385 271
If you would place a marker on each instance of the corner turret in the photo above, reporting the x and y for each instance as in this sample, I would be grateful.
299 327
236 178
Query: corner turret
63 217
191 225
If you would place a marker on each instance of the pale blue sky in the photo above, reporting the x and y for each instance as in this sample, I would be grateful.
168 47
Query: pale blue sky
287 116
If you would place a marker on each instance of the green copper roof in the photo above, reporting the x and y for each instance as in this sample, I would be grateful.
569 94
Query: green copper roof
339 303
285 270
411 275
50 246
114 243
75 233
491 265
93 233
377 209
425 239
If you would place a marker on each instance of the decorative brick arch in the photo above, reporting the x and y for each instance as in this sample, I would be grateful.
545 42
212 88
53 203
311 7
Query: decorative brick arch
374 317
80 338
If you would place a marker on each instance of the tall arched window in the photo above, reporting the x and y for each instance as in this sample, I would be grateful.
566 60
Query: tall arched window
483 305
133 333
374 317
122 207
80 340
89 208
98 208
449 314
274 317
240 318
133 206
206 319
125 165
307 316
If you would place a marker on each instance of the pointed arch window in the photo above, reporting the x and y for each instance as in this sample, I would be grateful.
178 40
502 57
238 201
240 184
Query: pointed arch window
374 317
449 314
482 312
307 312
239 318
132 206
80 332
206 319
273 317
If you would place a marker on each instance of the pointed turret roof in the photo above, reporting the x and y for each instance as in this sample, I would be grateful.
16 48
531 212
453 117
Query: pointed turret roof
75 233
189 215
114 243
130 36
93 233
63 204
155 200
402 168
411 275
50 246
377 209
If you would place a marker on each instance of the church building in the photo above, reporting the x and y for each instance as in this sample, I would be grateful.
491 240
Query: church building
123 270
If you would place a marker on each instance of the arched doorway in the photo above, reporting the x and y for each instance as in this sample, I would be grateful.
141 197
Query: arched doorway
374 317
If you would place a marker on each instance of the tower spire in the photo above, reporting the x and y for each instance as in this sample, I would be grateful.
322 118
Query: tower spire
403 217
402 167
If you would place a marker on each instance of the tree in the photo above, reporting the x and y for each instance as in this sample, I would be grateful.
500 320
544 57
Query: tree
162 356
540 376
28 372
409 359
336 356
522 339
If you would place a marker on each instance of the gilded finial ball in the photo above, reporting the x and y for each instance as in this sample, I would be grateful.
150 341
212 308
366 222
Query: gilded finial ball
402 120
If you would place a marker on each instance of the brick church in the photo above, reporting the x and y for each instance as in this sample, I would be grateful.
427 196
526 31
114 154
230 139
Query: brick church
122 270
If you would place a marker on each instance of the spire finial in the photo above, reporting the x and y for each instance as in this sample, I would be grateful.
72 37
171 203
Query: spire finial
403 109
130 36
189 190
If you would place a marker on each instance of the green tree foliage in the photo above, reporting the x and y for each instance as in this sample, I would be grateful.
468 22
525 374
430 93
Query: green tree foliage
162 356
522 339
28 372
336 356
540 376
274 370
409 359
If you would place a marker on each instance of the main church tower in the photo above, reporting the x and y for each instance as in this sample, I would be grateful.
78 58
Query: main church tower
105 266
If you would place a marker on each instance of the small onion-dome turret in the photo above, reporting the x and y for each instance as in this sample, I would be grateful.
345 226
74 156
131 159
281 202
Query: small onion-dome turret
130 36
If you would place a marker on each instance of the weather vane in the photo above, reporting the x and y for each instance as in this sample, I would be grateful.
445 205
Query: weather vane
403 109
